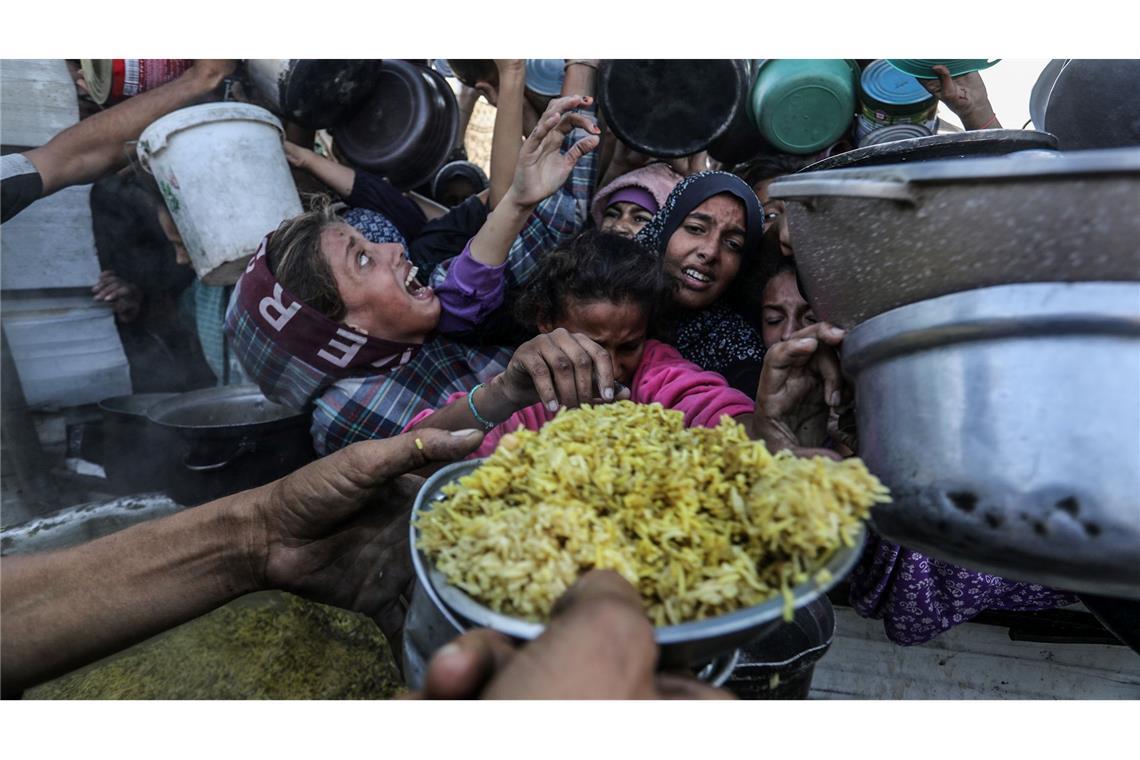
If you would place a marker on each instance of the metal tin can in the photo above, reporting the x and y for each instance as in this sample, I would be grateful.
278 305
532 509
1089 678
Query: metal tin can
110 80
867 134
888 97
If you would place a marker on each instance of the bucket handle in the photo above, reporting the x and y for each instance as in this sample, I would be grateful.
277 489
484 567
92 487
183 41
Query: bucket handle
806 189
246 446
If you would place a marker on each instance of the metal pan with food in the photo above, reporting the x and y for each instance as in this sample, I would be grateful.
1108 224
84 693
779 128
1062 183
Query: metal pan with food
723 539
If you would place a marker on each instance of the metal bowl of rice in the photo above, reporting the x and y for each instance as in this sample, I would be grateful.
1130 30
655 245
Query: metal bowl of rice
683 645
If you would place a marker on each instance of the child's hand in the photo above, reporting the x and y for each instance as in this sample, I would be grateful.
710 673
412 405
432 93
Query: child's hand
559 368
297 156
542 167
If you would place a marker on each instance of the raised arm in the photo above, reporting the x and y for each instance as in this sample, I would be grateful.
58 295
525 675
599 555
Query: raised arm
541 170
95 146
506 139
966 96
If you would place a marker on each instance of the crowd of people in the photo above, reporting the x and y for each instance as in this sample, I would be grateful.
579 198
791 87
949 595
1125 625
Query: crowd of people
575 271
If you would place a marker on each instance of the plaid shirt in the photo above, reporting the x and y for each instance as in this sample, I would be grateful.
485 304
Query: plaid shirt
380 406
554 221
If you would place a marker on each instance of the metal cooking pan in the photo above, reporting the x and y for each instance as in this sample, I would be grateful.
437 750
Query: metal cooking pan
230 439
982 142
871 239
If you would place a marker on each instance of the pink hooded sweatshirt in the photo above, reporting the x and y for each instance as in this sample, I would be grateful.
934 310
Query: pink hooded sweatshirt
657 179
663 376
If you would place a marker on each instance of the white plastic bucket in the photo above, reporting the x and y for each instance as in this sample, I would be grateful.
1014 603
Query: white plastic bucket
221 168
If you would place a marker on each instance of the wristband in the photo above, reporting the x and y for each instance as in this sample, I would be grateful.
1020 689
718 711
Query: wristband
568 64
487 424
993 120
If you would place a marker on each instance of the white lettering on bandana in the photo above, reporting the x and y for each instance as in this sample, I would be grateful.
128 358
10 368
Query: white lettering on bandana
348 351
283 313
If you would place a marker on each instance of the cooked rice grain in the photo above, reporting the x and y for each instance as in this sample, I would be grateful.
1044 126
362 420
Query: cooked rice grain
702 521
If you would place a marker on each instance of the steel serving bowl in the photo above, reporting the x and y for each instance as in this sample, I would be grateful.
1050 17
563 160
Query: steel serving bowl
685 645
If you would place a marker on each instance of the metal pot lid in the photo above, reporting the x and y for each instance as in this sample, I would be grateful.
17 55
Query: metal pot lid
671 108
1024 165
228 409
1025 309
983 142
135 405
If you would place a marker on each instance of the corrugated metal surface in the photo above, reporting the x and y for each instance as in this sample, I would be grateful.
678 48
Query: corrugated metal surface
38 98
66 349
50 244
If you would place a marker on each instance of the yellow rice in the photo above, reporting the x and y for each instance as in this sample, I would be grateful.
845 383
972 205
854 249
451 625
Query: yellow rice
702 521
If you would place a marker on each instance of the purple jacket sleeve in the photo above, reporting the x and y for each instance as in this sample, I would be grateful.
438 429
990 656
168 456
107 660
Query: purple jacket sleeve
469 292
919 597
378 194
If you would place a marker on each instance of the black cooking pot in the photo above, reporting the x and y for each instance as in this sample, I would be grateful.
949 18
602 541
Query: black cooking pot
406 129
314 93
982 142
134 452
781 664
671 108
1091 105
229 439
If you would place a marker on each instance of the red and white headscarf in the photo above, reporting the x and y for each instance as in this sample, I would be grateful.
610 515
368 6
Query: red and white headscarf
291 350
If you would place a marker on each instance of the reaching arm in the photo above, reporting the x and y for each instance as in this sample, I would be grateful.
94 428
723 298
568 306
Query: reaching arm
339 177
95 146
541 170
505 140
65 608
966 96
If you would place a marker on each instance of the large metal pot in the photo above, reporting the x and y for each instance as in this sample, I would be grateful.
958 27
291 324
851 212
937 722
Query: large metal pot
406 128
672 108
871 239
315 93
134 450
1006 422
230 439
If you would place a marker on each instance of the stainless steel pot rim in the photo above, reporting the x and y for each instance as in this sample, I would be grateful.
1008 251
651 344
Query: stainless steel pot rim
457 606
166 413
1002 311
1029 164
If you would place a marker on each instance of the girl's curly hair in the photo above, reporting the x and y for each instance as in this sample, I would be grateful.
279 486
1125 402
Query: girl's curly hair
596 266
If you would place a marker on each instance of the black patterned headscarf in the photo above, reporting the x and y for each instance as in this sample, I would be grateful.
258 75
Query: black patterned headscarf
691 192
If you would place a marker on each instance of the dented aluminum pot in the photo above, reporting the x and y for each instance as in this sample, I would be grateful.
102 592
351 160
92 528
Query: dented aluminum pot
314 93
1006 422
871 239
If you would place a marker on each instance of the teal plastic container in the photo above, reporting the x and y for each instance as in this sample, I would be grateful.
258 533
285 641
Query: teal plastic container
802 106
923 68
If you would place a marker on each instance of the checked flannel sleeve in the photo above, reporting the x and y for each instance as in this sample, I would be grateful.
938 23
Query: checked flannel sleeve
554 221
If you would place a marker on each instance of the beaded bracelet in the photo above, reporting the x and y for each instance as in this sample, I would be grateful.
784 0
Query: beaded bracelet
487 424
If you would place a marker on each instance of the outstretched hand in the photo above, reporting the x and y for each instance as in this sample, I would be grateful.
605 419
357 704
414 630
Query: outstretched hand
964 95
800 383
336 531
599 645
558 368
542 166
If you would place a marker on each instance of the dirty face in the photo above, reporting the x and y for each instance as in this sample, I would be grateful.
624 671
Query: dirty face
624 218
704 254
181 255
619 328
775 222
784 310
378 287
